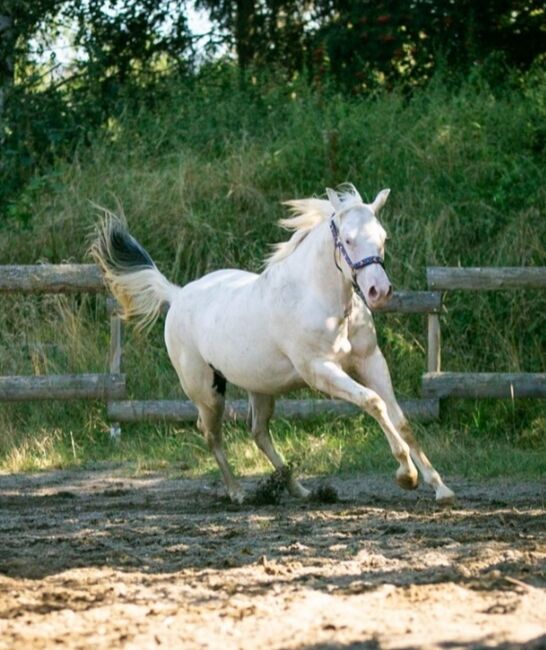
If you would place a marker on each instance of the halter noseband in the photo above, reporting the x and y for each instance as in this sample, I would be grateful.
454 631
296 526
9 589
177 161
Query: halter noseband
354 266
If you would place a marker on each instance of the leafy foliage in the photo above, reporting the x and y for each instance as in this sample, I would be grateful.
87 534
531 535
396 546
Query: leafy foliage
124 48
363 42
127 48
263 33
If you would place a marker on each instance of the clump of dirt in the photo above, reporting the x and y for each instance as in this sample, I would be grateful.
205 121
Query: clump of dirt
324 493
270 490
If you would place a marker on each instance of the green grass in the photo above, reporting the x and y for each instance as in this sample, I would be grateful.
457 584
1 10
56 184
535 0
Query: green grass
201 177
323 446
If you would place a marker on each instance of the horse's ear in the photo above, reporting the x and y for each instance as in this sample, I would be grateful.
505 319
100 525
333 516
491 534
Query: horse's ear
356 194
333 198
380 200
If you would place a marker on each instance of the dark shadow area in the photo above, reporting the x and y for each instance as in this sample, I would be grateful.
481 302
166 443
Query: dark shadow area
535 644
50 523
372 644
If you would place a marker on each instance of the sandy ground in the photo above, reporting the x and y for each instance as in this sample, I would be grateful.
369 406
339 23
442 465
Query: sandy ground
98 560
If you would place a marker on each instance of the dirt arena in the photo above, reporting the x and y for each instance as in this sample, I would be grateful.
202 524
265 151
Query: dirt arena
98 560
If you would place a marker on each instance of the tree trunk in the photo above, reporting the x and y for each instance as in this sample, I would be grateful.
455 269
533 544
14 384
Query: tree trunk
244 32
6 61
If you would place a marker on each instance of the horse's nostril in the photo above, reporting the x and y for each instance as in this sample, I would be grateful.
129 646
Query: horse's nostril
389 292
373 292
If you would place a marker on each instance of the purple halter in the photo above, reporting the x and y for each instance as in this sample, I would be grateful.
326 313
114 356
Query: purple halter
354 266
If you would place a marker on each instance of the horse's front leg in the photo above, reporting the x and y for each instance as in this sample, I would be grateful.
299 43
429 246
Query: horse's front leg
328 377
373 372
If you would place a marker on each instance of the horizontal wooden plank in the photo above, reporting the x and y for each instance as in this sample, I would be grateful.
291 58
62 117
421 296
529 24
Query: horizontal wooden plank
488 278
87 386
183 410
57 278
414 302
51 278
484 384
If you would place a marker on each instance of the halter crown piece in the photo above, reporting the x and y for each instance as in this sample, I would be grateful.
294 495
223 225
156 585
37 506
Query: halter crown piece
354 266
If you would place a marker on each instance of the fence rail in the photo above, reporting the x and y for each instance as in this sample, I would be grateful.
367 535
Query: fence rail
414 302
484 384
442 278
183 410
438 384
51 278
20 388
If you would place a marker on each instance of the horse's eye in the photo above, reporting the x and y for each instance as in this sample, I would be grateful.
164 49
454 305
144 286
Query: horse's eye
348 242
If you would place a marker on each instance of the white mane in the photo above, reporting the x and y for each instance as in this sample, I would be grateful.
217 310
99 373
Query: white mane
306 214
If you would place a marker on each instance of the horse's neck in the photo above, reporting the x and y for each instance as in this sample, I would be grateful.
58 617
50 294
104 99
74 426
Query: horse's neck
314 264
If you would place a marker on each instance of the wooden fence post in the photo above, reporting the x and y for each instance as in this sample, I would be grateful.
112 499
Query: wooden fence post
116 336
434 353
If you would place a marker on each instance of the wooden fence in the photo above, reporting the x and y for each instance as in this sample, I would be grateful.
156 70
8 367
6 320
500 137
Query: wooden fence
57 278
438 384
111 386
424 409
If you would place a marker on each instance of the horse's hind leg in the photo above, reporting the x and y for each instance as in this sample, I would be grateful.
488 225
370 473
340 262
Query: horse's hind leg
210 424
260 412
206 388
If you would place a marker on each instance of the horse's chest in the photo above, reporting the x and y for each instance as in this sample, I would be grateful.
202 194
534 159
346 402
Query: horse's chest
337 333
354 334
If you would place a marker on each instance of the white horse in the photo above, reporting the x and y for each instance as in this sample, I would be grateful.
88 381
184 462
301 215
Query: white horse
305 320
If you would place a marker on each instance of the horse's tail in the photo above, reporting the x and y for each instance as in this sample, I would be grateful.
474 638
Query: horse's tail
130 273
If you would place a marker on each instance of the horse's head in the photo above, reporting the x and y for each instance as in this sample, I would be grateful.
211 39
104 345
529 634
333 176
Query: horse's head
360 239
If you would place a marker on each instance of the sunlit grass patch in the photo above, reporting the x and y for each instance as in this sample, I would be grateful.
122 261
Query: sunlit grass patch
320 447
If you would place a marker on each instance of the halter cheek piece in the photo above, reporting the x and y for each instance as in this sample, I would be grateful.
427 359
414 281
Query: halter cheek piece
354 266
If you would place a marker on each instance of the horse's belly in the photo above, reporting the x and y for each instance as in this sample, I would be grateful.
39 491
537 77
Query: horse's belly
263 376
248 358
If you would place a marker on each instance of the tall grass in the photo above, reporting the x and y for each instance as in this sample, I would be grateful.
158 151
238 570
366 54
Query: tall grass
200 179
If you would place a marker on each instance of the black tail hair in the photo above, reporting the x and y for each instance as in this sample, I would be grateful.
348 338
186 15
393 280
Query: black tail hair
117 250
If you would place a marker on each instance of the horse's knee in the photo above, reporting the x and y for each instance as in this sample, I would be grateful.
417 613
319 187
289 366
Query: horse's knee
211 439
375 406
260 438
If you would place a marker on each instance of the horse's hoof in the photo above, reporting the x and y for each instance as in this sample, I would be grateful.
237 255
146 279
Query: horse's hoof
445 497
237 496
408 481
297 490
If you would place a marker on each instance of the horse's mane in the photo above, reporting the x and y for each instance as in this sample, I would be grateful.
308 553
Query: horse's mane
305 215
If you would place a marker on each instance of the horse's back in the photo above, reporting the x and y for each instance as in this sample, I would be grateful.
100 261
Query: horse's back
228 279
224 318
204 301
